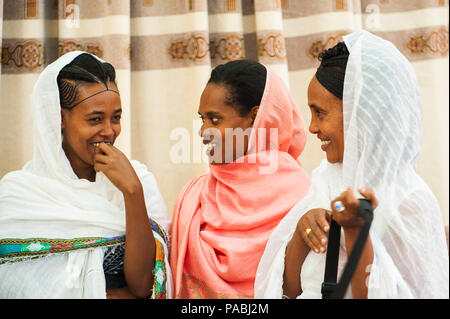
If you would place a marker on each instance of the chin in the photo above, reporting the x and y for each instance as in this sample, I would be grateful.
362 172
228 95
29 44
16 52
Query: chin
332 159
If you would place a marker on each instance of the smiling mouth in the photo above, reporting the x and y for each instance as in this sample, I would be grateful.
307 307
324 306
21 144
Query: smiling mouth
325 143
210 147
96 144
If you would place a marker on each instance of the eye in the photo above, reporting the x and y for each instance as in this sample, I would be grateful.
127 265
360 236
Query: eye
95 120
117 117
319 113
215 120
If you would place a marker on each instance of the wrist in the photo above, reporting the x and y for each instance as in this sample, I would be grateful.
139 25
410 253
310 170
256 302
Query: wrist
133 189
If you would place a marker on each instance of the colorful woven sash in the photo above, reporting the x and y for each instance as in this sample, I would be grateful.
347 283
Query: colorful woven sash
16 250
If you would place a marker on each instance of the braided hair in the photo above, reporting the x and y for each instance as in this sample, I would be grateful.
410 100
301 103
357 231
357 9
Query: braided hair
245 80
84 69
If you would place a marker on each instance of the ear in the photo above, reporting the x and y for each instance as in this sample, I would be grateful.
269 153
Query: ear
253 113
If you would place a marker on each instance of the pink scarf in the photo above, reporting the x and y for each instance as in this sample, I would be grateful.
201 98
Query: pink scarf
223 219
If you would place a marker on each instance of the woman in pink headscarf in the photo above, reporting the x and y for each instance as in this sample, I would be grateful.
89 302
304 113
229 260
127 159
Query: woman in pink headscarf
223 219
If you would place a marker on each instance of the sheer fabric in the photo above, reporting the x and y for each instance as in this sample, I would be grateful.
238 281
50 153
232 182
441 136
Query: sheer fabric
382 134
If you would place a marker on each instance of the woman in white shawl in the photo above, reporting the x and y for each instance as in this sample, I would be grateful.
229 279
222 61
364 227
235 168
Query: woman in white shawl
80 220
364 99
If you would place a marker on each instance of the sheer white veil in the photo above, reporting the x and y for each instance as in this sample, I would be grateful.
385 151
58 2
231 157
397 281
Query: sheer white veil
382 134
46 200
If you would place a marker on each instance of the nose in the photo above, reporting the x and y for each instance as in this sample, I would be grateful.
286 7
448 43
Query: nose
313 127
107 130
203 132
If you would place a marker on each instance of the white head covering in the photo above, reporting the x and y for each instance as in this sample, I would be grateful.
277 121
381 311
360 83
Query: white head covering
47 200
382 134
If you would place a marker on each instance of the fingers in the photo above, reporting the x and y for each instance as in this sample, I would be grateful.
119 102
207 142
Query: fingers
104 148
101 158
104 153
345 201
99 167
313 229
323 222
369 195
312 239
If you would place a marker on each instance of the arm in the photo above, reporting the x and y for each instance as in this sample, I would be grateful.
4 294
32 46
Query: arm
296 252
139 259
351 221
359 286
301 243
140 246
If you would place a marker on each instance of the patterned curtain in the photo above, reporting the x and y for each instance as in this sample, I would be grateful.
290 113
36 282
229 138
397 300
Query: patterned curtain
164 50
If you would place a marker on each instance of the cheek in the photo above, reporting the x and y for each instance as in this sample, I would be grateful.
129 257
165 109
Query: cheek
117 129
82 134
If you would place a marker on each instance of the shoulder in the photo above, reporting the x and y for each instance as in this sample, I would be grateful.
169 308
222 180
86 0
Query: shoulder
140 168
15 178
196 182
191 188
146 177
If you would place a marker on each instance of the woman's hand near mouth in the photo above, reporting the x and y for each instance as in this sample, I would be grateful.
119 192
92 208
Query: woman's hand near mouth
115 165
140 246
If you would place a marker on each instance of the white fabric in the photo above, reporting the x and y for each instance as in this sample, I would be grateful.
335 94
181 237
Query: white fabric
47 200
382 133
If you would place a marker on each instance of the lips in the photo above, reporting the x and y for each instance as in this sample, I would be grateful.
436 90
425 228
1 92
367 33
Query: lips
210 145
209 149
325 142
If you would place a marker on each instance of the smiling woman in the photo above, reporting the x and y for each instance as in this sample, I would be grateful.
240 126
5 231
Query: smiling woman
228 108
223 219
326 120
94 219
366 109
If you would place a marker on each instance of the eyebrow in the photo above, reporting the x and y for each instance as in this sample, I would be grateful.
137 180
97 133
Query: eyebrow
316 107
100 112
210 113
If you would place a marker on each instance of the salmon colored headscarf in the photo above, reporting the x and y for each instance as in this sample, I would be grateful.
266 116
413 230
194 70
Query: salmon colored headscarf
223 219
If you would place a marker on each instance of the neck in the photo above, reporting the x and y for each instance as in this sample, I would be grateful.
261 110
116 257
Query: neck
86 173
82 169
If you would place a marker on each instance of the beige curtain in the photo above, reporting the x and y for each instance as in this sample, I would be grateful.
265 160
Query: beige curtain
164 50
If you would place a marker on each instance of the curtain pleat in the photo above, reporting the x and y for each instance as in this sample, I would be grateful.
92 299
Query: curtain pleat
164 50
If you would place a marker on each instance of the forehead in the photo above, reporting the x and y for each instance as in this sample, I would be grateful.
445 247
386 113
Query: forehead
319 96
97 100
213 100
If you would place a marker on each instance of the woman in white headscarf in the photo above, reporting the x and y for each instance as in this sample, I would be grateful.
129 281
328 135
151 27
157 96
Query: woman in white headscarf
80 220
366 110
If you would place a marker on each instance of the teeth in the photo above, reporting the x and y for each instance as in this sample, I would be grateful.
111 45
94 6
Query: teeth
326 142
210 146
96 144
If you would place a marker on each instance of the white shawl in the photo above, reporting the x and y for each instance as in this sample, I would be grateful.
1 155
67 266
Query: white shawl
47 200
382 134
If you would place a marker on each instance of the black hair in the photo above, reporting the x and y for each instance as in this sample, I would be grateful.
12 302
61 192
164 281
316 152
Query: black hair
335 57
245 81
84 69
331 72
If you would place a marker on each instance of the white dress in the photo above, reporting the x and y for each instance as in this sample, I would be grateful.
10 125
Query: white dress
382 135
46 200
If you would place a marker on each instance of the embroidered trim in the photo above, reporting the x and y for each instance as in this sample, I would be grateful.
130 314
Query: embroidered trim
156 228
14 250
160 273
